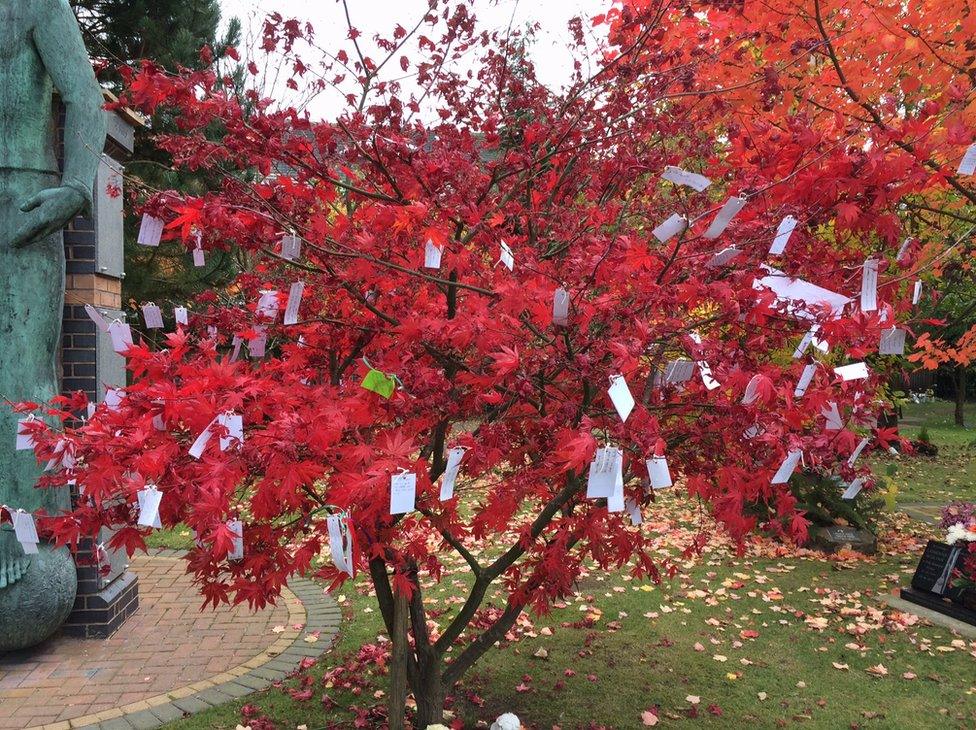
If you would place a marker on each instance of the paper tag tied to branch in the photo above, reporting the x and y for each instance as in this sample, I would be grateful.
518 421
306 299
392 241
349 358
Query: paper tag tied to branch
783 235
199 257
621 396
182 315
786 469
25 439
96 317
869 286
560 307
659 473
892 341
152 316
403 493
121 335
268 304
149 500
670 228
150 231
451 470
724 217
341 543
507 257
606 467
806 377
25 530
236 528
432 255
689 179
967 165
291 248
295 295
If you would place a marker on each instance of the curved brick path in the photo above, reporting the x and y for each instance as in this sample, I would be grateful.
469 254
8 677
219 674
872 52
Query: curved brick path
168 660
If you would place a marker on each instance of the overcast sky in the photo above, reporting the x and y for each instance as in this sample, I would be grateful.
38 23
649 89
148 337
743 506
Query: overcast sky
380 16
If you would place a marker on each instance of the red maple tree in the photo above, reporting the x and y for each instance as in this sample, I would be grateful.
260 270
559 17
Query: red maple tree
481 162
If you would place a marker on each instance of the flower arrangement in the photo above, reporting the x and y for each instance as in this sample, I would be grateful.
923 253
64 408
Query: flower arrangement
959 522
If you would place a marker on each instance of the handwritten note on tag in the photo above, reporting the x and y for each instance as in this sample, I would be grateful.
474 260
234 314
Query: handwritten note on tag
857 451
810 338
659 473
751 394
234 423
615 502
621 396
869 286
786 469
892 341
967 166
633 510
689 179
670 228
724 217
917 292
295 295
182 315
340 544
268 304
291 248
149 500
432 255
783 234
451 470
152 316
605 469
403 493
903 250
854 371
560 307
679 371
853 489
150 231
507 257
199 257
121 335
25 531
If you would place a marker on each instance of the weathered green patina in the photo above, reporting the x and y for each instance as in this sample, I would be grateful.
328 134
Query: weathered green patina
41 49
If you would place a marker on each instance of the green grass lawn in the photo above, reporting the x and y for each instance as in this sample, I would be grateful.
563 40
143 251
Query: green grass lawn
949 476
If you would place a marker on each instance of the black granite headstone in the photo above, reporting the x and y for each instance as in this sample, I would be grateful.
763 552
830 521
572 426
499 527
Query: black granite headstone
934 572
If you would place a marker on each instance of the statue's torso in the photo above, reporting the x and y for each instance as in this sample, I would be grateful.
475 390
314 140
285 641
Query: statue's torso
26 117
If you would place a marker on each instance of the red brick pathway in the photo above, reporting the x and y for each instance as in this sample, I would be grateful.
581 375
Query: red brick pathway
168 644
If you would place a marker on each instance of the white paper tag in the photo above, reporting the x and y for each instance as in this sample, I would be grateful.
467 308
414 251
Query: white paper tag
615 502
706 375
150 231
113 398
800 295
892 341
723 257
403 493
25 441
854 371
149 500
751 432
619 393
25 531
234 423
832 414
560 307
454 457
853 489
257 346
182 315
236 348
783 234
507 257
295 295
152 316
96 317
158 422
786 469
291 248
432 255
752 391
917 293
679 371
268 304
237 551
682 177
810 338
724 217
869 286
340 544
857 451
121 336
670 228
659 472
606 467
903 250
806 377
199 257
967 166
633 509
196 450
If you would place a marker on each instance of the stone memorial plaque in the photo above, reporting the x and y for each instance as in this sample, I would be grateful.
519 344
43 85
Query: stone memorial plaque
934 572
835 537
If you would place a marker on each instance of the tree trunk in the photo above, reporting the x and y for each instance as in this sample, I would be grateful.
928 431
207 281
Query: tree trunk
430 695
397 704
960 395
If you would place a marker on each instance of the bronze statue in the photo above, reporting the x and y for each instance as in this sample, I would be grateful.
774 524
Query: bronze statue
41 49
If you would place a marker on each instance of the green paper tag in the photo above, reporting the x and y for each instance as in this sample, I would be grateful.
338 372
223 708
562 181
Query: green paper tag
379 383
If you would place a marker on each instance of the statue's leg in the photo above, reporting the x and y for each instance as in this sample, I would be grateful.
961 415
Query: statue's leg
31 302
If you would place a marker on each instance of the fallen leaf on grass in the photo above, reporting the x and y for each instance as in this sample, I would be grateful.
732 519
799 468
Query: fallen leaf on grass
649 718
842 667
878 670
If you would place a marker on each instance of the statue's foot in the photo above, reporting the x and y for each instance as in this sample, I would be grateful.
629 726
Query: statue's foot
13 562
35 605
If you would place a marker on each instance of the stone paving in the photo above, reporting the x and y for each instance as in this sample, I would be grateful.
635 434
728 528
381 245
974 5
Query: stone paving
169 660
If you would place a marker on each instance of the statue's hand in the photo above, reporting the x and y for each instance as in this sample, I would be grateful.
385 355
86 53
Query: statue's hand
47 212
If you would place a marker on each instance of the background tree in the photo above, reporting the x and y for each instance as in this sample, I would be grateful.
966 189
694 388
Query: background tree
392 359
173 34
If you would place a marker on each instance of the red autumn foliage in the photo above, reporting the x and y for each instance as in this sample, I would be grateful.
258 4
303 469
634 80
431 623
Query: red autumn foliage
571 181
